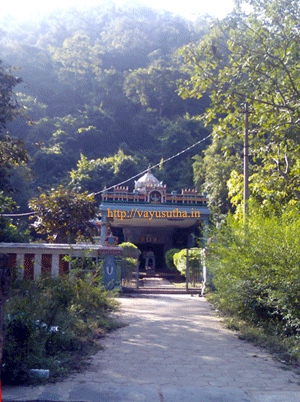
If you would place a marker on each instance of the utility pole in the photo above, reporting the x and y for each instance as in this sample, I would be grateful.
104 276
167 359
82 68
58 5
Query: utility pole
187 270
246 161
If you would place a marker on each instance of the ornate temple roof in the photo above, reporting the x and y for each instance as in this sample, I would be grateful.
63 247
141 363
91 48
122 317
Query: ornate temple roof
146 181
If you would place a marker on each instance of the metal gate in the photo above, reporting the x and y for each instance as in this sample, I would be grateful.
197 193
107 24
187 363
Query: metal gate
196 272
195 282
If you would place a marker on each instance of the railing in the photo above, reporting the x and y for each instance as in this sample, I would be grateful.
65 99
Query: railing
180 199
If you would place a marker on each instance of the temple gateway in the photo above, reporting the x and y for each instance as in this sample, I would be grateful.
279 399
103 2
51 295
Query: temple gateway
154 220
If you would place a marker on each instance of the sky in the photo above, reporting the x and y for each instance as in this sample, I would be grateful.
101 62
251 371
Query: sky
186 8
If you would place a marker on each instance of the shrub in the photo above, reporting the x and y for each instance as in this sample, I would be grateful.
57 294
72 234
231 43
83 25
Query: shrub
256 271
130 261
169 259
50 321
195 263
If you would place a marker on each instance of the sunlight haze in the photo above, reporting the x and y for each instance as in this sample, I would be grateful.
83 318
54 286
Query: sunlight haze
188 8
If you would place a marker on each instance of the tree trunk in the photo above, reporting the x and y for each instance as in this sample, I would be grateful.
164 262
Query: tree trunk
5 279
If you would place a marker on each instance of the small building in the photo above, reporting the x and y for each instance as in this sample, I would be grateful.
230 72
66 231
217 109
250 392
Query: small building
154 220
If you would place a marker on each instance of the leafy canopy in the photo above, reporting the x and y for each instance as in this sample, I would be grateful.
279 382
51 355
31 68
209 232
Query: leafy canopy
13 154
65 215
254 58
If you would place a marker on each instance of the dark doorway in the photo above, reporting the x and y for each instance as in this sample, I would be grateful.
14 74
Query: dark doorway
158 250
118 232
180 238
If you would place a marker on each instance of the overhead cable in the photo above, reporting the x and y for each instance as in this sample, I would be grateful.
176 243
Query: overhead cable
127 180
158 164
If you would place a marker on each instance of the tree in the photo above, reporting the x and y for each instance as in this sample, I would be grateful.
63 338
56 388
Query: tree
95 174
212 172
8 104
254 58
155 88
79 62
64 215
11 153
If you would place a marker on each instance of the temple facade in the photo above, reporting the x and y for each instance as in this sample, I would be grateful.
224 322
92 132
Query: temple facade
154 220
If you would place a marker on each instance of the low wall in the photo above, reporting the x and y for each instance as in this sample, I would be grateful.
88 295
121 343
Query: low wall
30 260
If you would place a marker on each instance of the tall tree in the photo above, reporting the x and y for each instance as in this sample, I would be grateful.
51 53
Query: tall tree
79 63
64 215
8 104
155 88
11 153
254 57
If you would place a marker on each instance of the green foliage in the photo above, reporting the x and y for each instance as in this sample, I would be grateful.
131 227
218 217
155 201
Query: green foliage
213 170
256 270
31 106
130 249
12 154
64 215
95 174
174 136
253 57
130 261
79 62
13 158
8 104
169 259
155 88
100 81
52 324
12 233
195 263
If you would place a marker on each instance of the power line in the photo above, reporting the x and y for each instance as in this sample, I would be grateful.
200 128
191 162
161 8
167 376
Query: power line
131 178
23 214
158 164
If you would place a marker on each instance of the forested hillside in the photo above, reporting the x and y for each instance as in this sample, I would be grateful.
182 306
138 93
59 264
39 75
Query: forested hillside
107 92
99 97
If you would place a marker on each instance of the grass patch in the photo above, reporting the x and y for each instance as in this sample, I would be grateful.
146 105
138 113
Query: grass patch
285 349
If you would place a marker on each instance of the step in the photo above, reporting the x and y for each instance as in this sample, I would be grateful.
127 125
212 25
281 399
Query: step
161 290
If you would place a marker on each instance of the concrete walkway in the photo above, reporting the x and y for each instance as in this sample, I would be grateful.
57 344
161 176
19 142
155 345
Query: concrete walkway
174 349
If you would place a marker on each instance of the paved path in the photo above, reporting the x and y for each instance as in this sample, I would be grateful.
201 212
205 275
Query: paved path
173 350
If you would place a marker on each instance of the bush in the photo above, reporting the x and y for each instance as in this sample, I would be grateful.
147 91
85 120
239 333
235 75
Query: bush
169 259
195 263
52 323
256 271
130 261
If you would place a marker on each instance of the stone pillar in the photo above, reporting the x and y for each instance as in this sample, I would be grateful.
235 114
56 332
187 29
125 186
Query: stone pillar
55 265
103 228
110 272
37 265
20 265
